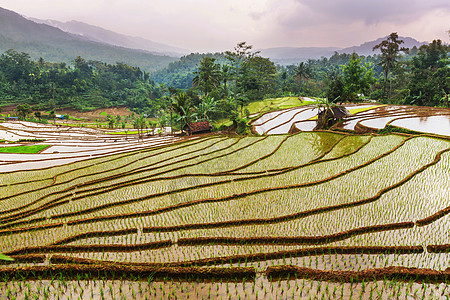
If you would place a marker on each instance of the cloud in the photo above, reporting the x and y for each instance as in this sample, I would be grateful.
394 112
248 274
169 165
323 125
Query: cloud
351 22
373 12
217 25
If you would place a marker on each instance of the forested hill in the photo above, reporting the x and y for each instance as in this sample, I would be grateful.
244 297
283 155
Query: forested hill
55 45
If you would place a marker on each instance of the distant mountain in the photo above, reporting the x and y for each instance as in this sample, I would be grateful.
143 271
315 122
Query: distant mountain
294 55
55 45
101 35
366 48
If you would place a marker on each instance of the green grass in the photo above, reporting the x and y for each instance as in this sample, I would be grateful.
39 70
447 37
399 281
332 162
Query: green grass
275 104
103 113
23 149
358 110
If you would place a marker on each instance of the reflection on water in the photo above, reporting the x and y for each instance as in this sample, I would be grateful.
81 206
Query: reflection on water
378 123
434 124
319 143
306 125
348 144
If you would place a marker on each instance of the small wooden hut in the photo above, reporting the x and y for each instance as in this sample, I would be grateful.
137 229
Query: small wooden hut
197 127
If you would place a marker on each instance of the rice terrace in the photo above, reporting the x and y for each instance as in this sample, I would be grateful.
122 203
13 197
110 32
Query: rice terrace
330 214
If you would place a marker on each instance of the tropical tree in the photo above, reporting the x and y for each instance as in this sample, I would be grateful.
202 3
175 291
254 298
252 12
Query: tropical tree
140 123
429 81
241 52
390 49
357 78
225 75
23 110
206 107
302 72
208 75
181 105
111 121
258 77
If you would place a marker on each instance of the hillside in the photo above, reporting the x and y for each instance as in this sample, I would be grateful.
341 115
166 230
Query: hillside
101 35
53 44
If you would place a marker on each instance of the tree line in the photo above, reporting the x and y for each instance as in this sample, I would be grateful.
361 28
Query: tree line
218 86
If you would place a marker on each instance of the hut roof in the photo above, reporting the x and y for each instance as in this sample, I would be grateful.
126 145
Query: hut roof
197 127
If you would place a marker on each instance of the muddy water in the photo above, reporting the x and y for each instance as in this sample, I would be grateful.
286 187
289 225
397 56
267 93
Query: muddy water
377 123
434 124
279 119
306 125
301 116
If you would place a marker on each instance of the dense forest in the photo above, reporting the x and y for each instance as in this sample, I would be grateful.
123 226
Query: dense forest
208 86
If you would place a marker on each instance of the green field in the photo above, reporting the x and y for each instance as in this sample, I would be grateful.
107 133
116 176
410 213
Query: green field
315 214
23 149
275 104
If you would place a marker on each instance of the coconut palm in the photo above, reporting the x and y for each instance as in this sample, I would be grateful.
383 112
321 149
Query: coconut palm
302 72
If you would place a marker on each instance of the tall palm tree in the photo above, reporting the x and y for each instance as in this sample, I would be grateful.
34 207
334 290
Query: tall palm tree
302 72
208 75
225 74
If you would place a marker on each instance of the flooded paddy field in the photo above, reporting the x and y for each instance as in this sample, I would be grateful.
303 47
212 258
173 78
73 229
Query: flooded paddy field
365 118
331 215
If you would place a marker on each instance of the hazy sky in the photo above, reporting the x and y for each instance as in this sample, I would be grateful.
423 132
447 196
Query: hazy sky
218 25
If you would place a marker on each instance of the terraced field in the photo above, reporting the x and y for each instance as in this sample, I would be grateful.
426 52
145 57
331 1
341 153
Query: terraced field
314 214
366 118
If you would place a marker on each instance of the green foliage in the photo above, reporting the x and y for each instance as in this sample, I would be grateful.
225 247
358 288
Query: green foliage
5 257
389 129
357 78
23 110
179 74
430 75
390 49
208 75
86 85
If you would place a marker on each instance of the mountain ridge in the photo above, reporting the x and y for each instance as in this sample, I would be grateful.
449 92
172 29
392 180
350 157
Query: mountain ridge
53 44
98 34
292 55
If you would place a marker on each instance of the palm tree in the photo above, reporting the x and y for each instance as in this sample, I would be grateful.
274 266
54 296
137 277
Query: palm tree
208 75
225 75
181 104
302 72
140 123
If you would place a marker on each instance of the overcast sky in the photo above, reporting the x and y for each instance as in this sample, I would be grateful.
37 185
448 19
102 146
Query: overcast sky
218 25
